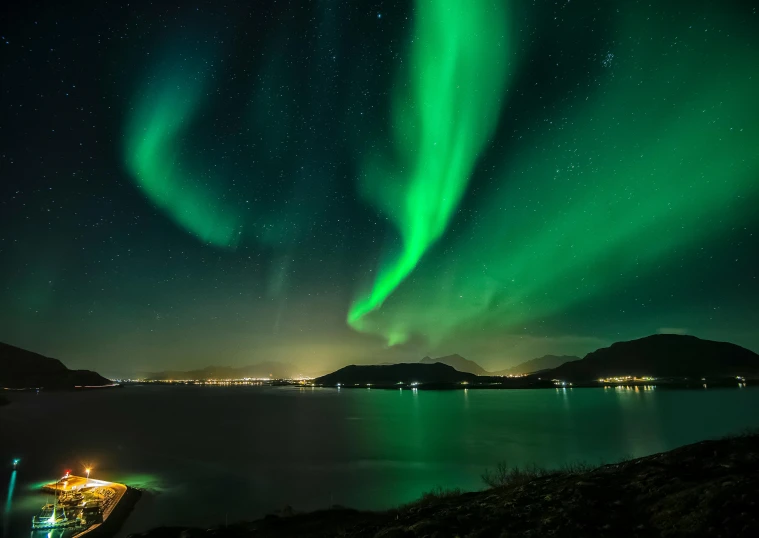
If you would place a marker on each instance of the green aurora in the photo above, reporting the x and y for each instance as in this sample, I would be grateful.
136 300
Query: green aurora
158 162
442 118
445 175
659 152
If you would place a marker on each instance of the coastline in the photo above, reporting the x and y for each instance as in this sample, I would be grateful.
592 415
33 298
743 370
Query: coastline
695 384
706 488
550 384
62 389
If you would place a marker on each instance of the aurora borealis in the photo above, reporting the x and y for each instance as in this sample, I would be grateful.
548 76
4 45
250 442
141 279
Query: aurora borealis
458 62
368 181
153 156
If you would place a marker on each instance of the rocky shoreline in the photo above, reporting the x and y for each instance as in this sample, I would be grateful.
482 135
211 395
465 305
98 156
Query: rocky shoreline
704 489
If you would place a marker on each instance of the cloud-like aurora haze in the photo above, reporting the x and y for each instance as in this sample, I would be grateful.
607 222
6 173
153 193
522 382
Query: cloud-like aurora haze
658 152
158 162
443 115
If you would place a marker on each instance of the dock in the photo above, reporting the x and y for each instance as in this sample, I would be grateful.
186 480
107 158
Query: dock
114 502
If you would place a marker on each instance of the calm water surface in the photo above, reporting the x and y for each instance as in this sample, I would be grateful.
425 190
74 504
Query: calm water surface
206 454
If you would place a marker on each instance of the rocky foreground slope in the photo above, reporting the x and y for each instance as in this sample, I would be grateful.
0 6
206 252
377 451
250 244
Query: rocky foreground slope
705 489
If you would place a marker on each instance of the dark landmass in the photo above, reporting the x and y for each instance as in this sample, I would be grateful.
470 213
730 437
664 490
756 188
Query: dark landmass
705 489
459 363
540 364
669 357
21 369
662 356
675 361
394 374
261 370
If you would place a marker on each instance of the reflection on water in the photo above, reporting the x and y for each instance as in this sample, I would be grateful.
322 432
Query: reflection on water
9 502
206 454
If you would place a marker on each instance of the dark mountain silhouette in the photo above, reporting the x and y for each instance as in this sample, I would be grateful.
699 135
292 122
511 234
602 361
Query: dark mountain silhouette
545 362
269 369
459 363
411 372
662 355
20 369
533 365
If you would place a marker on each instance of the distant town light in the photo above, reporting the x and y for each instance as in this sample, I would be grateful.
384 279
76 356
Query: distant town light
626 379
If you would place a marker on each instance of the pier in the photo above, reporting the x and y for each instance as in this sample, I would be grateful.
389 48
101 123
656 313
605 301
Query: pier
99 506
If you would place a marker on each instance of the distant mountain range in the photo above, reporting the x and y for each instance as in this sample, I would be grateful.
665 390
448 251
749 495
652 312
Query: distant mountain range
533 365
459 363
261 370
391 374
21 369
662 355
281 370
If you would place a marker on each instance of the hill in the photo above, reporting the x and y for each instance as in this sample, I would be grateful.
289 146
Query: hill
459 363
662 355
269 369
392 374
20 369
545 362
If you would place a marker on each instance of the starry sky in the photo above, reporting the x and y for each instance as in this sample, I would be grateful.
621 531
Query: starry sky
326 182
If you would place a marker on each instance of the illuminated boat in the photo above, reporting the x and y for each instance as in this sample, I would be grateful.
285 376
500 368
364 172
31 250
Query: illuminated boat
53 517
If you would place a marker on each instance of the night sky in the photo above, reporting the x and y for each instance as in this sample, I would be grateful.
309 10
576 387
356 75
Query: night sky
329 182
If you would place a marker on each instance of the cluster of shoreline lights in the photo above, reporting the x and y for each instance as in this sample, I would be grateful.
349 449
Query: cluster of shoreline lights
610 380
412 384
241 381
626 379
638 380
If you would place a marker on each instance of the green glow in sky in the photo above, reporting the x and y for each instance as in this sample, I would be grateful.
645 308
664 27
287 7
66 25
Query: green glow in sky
157 159
308 182
659 153
443 113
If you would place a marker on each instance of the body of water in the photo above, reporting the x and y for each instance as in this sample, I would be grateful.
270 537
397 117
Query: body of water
204 455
